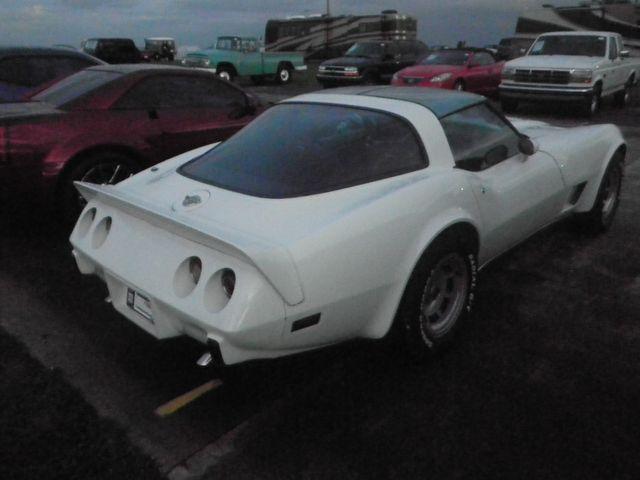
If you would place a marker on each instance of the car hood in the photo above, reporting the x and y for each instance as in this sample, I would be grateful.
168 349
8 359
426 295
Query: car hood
428 71
560 62
348 61
21 110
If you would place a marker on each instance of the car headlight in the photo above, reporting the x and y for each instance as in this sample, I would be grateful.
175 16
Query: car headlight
581 75
322 68
508 73
206 62
443 77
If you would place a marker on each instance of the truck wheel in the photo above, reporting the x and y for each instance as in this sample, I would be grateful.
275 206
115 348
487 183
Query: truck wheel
283 75
591 105
509 105
368 78
226 73
438 297
623 98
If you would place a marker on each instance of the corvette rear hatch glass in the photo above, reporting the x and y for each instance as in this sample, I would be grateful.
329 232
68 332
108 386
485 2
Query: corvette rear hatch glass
298 149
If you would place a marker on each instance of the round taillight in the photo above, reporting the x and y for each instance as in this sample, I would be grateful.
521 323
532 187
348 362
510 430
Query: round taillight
195 269
228 281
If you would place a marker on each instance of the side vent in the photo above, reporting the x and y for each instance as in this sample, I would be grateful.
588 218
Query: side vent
577 192
305 322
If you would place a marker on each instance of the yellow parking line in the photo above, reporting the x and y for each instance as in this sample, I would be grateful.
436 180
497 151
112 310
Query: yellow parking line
186 398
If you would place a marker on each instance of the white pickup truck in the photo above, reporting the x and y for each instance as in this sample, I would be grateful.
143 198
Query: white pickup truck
581 67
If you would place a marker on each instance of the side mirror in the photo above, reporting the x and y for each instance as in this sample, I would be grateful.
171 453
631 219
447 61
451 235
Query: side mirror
527 146
624 53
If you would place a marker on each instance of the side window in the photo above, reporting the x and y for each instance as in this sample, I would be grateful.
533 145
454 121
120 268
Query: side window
482 58
479 138
613 48
181 91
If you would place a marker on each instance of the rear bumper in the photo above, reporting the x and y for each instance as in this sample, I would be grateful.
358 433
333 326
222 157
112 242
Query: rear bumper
136 258
545 93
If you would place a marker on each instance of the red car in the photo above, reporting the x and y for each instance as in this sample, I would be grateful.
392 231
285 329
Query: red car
104 123
464 69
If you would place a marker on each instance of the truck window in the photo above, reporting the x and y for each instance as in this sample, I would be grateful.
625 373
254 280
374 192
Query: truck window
613 49
579 45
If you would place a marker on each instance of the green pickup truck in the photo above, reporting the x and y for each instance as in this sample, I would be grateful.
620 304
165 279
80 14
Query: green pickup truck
242 56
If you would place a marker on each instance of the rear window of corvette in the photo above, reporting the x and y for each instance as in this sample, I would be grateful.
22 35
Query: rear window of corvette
299 149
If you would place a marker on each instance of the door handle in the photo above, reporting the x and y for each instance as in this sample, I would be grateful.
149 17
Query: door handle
153 114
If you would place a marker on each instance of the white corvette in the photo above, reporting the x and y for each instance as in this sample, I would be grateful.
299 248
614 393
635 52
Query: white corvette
337 215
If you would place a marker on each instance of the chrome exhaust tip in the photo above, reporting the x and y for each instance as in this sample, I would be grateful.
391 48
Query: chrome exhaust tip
205 359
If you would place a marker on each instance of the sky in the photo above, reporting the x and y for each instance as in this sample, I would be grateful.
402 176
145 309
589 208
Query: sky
199 22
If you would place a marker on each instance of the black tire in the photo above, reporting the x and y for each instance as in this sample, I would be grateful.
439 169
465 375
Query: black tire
459 86
509 105
368 78
623 98
284 74
226 73
422 334
105 167
591 105
600 218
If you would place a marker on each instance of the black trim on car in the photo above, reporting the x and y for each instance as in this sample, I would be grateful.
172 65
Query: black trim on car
305 322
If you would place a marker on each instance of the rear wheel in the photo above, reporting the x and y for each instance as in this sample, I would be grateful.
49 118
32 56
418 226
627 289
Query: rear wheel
438 297
600 217
106 168
623 98
459 86
226 73
283 75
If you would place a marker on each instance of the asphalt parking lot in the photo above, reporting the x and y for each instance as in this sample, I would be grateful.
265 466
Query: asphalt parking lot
544 382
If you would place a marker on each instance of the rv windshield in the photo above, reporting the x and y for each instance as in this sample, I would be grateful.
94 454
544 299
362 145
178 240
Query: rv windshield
577 45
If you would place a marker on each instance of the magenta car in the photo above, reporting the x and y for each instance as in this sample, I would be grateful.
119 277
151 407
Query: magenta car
464 69
105 123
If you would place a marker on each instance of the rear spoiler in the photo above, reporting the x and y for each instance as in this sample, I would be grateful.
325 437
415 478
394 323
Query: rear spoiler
274 261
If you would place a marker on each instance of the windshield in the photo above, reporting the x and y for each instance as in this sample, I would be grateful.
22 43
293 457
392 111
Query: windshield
75 86
304 149
577 45
446 58
366 50
228 44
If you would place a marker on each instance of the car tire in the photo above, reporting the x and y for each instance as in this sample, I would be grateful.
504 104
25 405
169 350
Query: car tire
283 75
105 168
600 218
509 105
459 86
368 78
592 104
623 98
226 73
438 297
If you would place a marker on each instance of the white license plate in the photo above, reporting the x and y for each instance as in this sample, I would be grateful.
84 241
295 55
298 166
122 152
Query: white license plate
140 304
